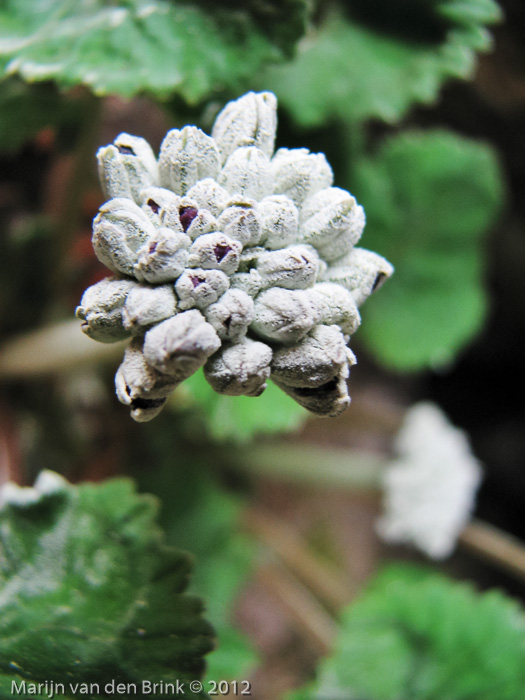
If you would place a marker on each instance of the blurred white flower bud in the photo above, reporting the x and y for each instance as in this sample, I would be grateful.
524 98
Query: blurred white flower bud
119 230
215 251
199 288
249 282
163 258
187 156
299 174
180 345
126 167
249 121
239 370
247 173
100 309
231 314
145 306
329 399
162 207
208 194
429 490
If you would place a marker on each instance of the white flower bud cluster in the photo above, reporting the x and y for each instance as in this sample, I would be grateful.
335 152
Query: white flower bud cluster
229 257
430 488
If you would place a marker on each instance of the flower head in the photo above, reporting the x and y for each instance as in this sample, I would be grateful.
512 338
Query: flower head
228 256
430 488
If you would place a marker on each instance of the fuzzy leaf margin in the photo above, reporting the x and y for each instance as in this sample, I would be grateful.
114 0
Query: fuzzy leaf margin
162 47
89 592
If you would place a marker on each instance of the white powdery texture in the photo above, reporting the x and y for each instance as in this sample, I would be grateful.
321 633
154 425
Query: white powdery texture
228 256
430 489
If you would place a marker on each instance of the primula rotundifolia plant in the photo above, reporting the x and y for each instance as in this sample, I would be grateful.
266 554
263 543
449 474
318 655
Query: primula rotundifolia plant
228 256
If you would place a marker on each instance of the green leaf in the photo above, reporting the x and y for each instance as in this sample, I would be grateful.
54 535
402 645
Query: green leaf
353 70
429 198
160 46
89 591
417 635
240 418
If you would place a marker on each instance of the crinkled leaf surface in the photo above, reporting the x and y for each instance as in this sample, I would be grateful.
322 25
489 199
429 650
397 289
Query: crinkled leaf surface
354 71
131 46
420 635
429 198
239 418
89 591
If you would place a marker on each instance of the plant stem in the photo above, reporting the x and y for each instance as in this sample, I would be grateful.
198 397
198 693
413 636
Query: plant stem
52 350
496 546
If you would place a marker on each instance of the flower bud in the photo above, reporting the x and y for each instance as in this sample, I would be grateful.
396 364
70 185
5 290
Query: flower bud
249 121
126 167
100 309
180 345
187 156
279 221
145 306
140 386
360 271
317 359
294 267
215 251
163 257
195 222
239 370
199 288
299 174
284 315
231 314
241 222
329 399
332 222
337 305
247 173
249 282
162 207
207 194
120 229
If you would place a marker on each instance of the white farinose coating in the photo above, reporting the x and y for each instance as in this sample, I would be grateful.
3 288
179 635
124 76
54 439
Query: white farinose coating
227 255
430 489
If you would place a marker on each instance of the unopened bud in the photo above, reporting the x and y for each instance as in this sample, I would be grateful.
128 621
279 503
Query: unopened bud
199 288
279 221
241 222
145 306
299 174
187 156
100 309
337 305
247 173
294 267
207 194
163 257
284 315
239 370
231 314
120 229
361 272
126 167
215 251
180 345
249 121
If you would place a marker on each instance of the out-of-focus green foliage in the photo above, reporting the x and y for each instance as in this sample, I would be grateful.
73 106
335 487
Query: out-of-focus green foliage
429 198
239 418
355 70
159 46
416 635
91 593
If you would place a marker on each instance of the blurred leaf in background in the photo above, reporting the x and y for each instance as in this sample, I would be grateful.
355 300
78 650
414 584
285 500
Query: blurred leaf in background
158 46
377 59
429 197
416 634
90 591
